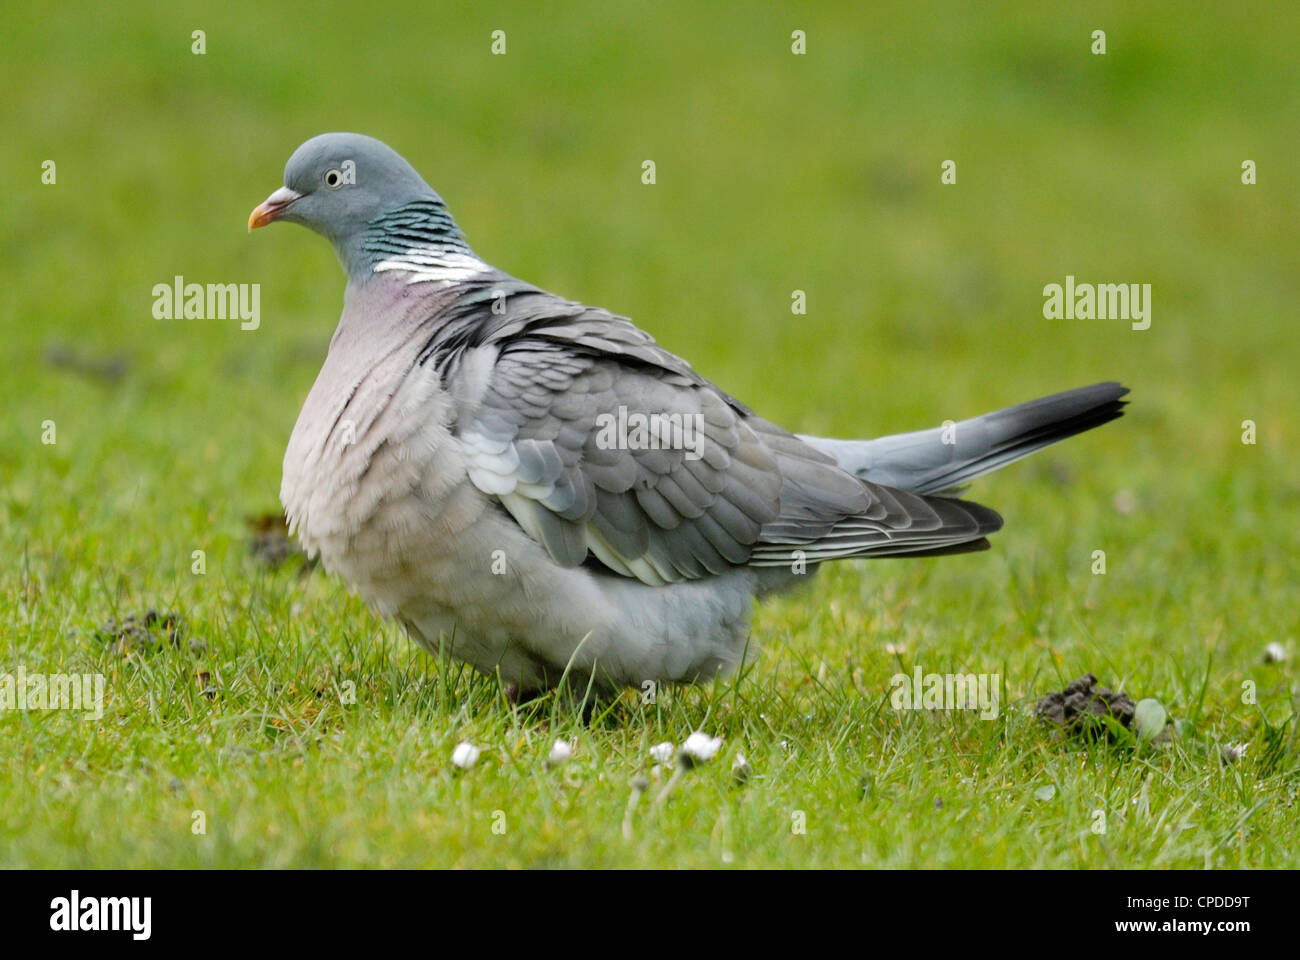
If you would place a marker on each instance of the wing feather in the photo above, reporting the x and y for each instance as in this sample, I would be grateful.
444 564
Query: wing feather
537 392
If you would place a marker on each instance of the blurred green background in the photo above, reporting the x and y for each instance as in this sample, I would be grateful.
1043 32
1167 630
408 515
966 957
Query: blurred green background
775 172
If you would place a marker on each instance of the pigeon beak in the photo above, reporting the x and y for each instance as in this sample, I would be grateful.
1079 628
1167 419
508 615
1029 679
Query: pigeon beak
271 208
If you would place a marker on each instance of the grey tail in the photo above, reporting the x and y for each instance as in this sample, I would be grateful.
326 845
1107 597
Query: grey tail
941 460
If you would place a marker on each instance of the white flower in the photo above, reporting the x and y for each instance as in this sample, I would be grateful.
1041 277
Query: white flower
561 751
701 746
1232 752
662 752
1274 653
465 755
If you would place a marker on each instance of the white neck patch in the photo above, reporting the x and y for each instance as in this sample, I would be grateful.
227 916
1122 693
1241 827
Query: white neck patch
432 265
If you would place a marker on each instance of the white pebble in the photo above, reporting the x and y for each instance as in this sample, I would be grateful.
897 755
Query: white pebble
561 751
465 755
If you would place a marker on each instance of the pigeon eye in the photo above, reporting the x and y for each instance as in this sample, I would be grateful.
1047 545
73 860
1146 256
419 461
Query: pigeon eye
333 179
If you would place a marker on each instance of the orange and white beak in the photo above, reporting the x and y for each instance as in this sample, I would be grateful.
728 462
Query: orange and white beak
271 208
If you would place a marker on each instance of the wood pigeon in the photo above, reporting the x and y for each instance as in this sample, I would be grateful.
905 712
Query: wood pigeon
537 487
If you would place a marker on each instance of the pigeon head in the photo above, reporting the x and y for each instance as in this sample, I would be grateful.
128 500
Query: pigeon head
348 187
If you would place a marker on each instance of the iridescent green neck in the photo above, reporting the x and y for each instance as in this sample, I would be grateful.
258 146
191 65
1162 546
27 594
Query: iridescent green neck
419 237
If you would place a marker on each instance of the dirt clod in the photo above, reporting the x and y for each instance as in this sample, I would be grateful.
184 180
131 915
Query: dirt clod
148 631
1081 705
109 368
270 543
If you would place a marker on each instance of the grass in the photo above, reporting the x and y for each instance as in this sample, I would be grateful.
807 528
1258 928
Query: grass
774 173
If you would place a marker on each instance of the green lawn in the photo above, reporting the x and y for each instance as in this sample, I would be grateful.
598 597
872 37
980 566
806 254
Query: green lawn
775 172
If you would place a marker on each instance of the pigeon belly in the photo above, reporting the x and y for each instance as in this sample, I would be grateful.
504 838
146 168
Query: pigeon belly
373 481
